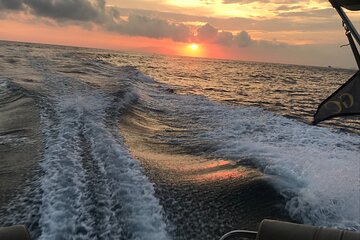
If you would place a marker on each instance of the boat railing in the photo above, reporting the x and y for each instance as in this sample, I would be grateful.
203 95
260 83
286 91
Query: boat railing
278 230
239 234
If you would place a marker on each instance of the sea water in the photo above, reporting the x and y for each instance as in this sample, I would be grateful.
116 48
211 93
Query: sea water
98 144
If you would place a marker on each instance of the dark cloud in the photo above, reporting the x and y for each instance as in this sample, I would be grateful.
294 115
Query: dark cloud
207 33
82 10
11 4
137 25
225 38
243 39
78 10
95 11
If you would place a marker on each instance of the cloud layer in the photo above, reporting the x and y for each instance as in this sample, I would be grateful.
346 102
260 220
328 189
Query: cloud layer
134 24
137 25
81 10
208 33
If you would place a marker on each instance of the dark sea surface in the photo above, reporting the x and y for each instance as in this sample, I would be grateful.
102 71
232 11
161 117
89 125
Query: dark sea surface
98 144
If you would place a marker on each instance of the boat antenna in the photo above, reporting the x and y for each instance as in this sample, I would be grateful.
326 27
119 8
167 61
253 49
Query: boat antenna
346 20
352 44
346 100
350 30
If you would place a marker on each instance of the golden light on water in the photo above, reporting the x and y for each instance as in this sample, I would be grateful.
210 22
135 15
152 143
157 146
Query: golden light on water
185 168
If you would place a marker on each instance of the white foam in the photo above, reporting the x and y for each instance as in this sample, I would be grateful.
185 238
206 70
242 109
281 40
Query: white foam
317 169
5 87
320 167
3 84
92 187
64 178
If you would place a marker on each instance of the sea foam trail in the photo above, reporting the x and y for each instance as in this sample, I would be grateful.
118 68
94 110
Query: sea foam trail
92 188
316 169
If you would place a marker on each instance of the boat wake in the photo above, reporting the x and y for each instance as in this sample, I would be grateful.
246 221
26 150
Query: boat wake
90 186
317 170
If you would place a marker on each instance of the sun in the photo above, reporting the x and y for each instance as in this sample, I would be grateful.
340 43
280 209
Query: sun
191 49
194 46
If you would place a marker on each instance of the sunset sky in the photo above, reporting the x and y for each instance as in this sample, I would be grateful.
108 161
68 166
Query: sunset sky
301 32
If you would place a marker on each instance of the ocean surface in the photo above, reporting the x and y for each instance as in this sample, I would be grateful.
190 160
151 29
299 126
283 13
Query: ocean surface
98 144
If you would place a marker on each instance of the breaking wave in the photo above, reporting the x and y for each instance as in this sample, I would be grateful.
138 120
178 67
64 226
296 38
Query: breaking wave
90 186
316 169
